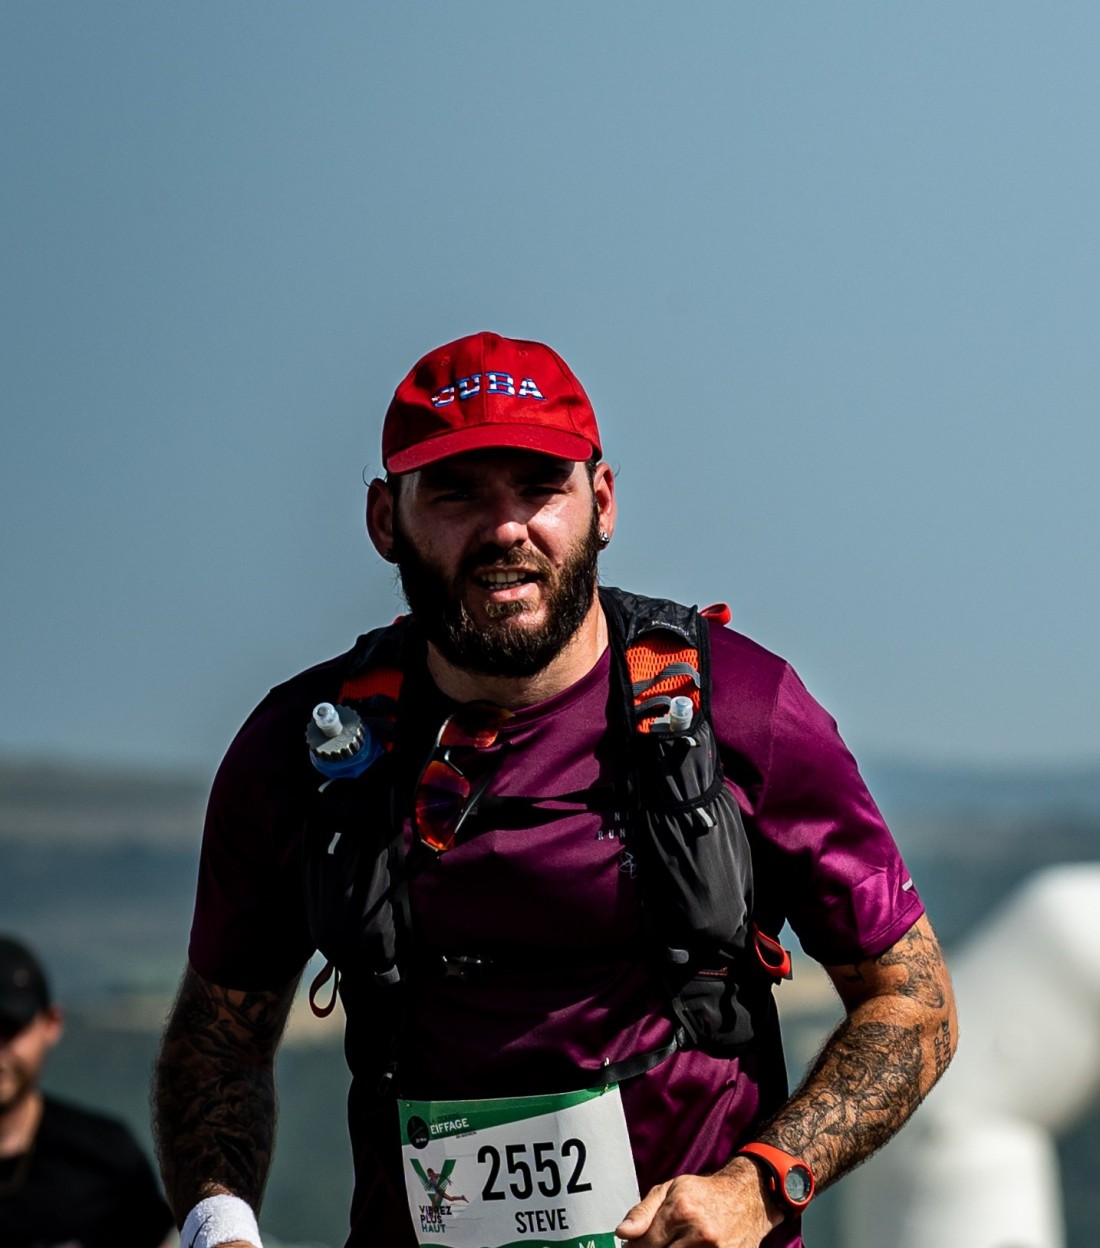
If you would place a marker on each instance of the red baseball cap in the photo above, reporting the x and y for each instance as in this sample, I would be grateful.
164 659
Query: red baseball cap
482 392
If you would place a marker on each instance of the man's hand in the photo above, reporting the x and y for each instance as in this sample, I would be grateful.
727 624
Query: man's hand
725 1210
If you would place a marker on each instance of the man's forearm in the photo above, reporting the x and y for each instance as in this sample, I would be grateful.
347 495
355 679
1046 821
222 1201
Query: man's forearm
879 1064
214 1092
862 1090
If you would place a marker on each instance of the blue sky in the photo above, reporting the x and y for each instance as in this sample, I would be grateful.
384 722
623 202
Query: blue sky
830 274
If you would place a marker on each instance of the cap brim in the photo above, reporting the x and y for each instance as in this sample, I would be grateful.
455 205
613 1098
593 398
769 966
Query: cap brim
556 442
14 1018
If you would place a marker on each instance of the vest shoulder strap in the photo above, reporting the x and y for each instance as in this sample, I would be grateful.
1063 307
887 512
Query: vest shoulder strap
661 651
375 665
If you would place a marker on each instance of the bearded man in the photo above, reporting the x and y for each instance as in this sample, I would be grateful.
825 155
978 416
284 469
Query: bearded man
468 835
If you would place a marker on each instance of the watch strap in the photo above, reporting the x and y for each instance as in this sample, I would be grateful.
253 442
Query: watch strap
777 1165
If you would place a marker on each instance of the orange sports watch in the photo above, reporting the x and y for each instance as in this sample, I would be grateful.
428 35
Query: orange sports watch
789 1179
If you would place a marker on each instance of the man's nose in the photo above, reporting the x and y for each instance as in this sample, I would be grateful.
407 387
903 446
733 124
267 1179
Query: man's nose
504 523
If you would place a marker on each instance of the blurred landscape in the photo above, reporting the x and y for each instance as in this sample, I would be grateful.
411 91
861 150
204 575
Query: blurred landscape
97 872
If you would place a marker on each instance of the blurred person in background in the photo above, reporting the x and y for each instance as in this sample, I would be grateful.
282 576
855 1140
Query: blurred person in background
69 1178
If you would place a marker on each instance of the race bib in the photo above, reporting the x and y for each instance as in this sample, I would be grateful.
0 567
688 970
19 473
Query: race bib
522 1172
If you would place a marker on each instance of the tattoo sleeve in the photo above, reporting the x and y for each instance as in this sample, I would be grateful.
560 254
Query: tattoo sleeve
214 1092
883 1059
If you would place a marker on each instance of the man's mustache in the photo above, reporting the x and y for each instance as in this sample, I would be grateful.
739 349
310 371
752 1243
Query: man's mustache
492 556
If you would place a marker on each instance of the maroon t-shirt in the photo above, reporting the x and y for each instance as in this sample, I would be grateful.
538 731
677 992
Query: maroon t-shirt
823 860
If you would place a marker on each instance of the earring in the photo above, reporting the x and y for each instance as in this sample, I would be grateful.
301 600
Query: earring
604 538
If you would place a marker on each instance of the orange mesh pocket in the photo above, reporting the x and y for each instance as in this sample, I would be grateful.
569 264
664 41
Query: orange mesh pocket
649 658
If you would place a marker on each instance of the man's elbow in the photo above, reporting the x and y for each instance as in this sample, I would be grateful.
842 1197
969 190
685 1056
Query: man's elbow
942 1027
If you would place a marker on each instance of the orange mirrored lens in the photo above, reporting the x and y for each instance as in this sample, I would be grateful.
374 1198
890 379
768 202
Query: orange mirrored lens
440 800
443 791
474 726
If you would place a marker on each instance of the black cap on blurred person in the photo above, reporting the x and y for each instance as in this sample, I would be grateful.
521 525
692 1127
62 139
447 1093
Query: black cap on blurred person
24 991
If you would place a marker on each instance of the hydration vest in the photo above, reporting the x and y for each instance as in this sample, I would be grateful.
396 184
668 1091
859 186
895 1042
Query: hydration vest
683 827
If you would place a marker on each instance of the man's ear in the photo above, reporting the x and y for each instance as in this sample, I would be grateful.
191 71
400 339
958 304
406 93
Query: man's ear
380 505
603 489
53 1019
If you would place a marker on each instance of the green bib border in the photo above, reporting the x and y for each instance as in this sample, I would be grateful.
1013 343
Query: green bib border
452 1118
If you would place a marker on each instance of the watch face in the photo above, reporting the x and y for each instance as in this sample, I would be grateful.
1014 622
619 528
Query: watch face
797 1184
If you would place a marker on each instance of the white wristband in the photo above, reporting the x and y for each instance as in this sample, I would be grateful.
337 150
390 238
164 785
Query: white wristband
220 1220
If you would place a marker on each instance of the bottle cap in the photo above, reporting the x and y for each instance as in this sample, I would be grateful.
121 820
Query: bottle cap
680 713
326 718
340 744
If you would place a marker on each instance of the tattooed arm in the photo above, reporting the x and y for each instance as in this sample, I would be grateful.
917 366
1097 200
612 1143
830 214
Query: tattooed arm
898 1035
214 1092
880 1063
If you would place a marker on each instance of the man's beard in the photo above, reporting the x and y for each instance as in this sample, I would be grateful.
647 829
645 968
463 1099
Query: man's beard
499 648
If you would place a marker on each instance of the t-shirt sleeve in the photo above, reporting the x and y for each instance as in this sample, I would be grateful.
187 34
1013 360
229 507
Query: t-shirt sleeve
249 929
824 859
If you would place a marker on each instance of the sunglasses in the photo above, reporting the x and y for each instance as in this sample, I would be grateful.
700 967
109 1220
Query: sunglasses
445 795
